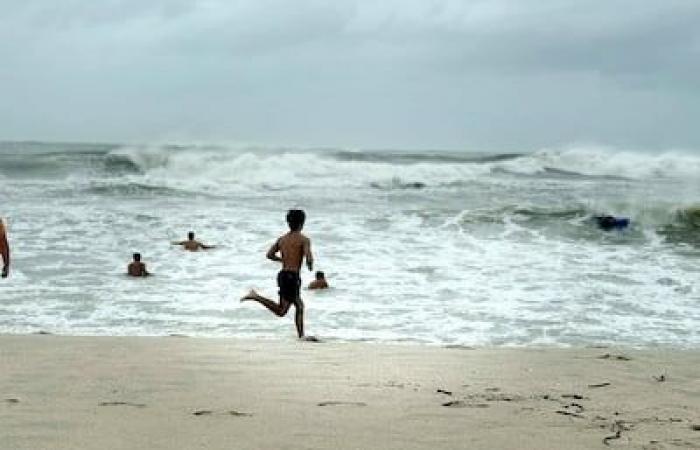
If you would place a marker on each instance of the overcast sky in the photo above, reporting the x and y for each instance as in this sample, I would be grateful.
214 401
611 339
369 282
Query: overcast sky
478 75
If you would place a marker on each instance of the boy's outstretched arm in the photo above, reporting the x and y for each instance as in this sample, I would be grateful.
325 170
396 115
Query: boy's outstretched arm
308 255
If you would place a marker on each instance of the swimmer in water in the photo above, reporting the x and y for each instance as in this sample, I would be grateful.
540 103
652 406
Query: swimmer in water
320 281
137 268
193 245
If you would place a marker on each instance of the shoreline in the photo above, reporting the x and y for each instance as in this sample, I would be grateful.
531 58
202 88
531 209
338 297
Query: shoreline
78 392
663 346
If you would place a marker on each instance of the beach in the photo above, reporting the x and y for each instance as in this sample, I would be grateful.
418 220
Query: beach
60 392
474 302
502 199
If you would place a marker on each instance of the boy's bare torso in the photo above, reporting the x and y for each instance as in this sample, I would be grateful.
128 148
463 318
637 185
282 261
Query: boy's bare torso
293 246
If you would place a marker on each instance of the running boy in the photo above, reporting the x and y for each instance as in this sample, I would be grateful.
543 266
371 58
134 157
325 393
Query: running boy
293 248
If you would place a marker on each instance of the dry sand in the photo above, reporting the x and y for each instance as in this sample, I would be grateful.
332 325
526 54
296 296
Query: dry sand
183 393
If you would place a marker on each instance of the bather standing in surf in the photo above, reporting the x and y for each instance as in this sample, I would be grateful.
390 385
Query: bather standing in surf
4 250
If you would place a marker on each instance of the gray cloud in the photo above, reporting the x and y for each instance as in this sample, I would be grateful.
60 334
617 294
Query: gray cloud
498 74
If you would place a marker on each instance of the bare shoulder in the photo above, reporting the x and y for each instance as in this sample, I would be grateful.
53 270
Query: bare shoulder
293 238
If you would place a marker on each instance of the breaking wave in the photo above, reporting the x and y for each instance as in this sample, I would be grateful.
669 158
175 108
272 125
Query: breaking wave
382 169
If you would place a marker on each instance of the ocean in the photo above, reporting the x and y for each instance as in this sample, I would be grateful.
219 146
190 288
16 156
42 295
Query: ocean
431 247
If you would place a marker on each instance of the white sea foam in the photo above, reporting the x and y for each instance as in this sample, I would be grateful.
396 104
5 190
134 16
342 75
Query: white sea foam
240 166
446 249
609 162
204 168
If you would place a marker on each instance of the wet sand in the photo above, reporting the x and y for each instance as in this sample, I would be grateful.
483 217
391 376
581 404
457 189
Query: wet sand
183 393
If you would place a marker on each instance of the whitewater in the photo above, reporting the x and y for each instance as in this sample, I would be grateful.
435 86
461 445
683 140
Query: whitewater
431 247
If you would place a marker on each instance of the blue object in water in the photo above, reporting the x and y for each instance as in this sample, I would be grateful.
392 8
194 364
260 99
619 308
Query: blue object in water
608 223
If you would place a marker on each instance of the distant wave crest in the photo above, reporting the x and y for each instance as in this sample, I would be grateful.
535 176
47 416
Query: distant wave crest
382 168
197 166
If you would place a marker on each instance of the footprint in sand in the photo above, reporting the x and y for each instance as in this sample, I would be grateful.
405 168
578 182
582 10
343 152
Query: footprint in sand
572 409
503 398
574 396
461 404
336 403
455 404
570 413
459 347
615 357
233 412
135 405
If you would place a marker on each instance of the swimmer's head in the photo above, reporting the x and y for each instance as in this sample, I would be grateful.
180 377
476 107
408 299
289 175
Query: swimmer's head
320 275
190 235
295 219
137 257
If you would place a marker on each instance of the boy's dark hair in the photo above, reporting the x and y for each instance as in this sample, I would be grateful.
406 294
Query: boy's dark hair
190 235
295 219
320 275
137 257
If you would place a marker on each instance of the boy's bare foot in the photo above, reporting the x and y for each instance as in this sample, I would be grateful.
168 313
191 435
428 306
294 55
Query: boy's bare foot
251 295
